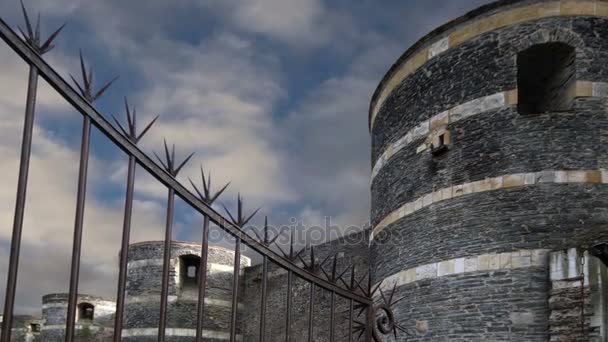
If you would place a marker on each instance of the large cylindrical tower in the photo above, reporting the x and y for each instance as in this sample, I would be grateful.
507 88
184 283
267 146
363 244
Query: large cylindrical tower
489 185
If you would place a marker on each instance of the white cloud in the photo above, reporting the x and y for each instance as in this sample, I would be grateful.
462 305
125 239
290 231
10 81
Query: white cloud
216 99
297 21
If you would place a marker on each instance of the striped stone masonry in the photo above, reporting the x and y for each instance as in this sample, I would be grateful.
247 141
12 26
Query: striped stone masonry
489 184
212 267
175 299
477 27
429 128
480 263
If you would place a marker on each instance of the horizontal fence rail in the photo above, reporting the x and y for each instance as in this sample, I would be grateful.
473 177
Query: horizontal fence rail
358 297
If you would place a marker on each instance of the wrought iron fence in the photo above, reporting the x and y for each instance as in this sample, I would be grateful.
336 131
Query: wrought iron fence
357 290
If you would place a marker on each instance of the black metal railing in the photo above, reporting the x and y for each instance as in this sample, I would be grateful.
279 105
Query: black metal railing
358 296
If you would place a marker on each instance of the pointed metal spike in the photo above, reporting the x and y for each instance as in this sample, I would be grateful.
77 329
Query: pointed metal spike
37 36
251 216
359 284
306 266
82 93
343 273
173 160
390 300
120 127
291 239
209 182
260 238
167 152
239 207
363 308
325 273
25 37
161 162
205 188
48 45
219 193
325 259
229 214
143 133
403 329
47 49
134 120
28 25
382 295
275 238
104 88
373 292
128 111
83 70
360 334
201 197
283 252
90 80
266 230
184 163
334 267
398 300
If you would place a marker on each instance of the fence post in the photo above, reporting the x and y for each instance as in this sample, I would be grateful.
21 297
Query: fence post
24 166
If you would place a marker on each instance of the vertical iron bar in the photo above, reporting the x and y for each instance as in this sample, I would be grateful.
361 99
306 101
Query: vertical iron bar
235 289
350 321
202 281
311 300
124 251
78 225
370 324
24 166
288 316
263 308
331 317
162 324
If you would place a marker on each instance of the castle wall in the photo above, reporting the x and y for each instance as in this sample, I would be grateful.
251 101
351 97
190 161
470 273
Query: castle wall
467 233
351 250
144 281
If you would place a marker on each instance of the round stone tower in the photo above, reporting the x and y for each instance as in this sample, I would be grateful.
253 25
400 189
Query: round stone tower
489 192
144 281
94 318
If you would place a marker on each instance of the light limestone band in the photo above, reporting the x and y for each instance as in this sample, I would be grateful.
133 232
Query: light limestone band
174 299
76 326
218 335
101 305
477 27
488 184
427 129
484 262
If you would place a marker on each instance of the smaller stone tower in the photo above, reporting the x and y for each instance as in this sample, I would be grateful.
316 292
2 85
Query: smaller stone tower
144 280
94 318
25 328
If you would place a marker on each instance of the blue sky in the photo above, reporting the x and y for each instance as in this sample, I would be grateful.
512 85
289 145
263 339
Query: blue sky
272 95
